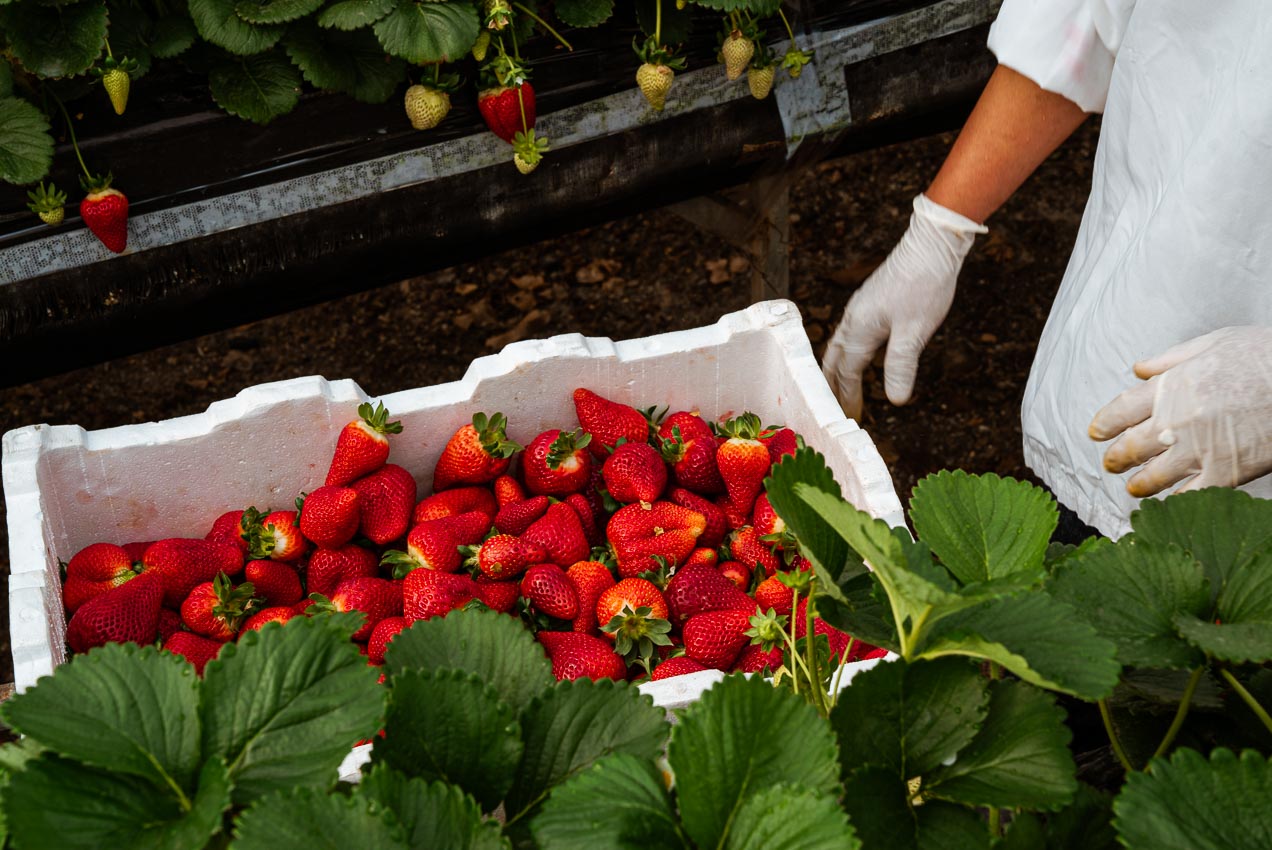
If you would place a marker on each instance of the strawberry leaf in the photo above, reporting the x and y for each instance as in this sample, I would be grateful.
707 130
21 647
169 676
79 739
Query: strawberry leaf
429 32
279 730
451 726
274 11
584 13
121 707
353 63
173 34
130 32
625 800
741 737
307 818
791 816
354 14
877 804
218 23
757 8
259 88
55 40
26 148
434 814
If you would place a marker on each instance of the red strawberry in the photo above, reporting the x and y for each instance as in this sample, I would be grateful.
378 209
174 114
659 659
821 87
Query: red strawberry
717 523
633 614
275 582
736 572
498 596
743 461
547 588
635 472
560 533
587 513
677 665
771 593
501 107
277 614
508 490
429 593
515 517
755 660
195 649
641 533
703 556
95 569
216 609
169 623
779 442
608 421
469 528
765 519
384 632
275 536
329 516
556 463
747 547
137 549
387 497
504 556
128 613
459 500
363 445
579 656
698 590
476 454
686 442
376 598
435 545
105 212
183 563
630 593
328 567
733 516
590 580
716 638
228 528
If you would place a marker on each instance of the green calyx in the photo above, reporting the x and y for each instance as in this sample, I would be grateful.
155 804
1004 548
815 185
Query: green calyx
659 577
800 580
377 418
46 201
636 634
322 605
767 629
492 432
672 448
259 536
529 147
565 445
233 603
795 60
96 183
502 71
401 562
496 14
763 57
745 427
656 54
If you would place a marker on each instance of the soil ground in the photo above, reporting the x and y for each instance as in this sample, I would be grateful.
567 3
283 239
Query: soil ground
644 275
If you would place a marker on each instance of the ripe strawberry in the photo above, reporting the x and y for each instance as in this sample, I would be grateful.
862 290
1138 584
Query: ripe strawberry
169 623
771 593
734 517
655 83
193 648
677 665
183 563
215 609
716 638
128 613
736 572
717 523
137 549
760 81
737 50
515 517
635 472
747 547
608 421
432 545
743 461
560 532
633 614
276 583
587 518
277 614
376 598
686 442
275 535
228 528
459 500
329 516
429 593
755 660
363 445
426 106
547 588
469 528
105 212
640 533
765 519
95 569
579 656
508 490
703 556
630 593
501 107
590 580
780 442
556 463
383 633
498 596
387 498
328 567
477 453
504 556
698 590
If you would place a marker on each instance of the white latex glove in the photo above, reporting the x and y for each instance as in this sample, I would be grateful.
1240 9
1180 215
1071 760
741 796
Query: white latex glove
903 302
1205 411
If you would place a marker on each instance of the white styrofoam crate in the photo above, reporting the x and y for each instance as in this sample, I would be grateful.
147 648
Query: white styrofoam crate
66 487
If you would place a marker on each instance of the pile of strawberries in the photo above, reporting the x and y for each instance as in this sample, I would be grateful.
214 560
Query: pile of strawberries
632 545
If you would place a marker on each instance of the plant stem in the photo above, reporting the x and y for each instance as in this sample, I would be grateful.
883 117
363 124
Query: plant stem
1180 714
994 827
658 22
791 640
1113 739
789 31
839 672
109 55
995 671
516 51
70 129
1248 697
520 8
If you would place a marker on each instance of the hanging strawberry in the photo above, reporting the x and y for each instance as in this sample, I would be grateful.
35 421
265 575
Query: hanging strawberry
105 212
528 151
48 204
428 103
506 100
759 76
116 77
795 59
657 69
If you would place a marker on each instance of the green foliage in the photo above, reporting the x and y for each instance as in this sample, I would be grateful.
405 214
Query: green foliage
619 803
353 14
26 148
348 62
434 814
421 31
584 13
259 88
55 41
219 23
309 819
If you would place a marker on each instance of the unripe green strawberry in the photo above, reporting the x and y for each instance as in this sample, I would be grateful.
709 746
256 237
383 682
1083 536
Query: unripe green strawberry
761 81
117 83
481 45
426 107
523 165
48 204
737 50
655 83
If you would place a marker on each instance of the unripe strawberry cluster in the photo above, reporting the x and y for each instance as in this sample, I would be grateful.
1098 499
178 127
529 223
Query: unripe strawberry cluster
631 544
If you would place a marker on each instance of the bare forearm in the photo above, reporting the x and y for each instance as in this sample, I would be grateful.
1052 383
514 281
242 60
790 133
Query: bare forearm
1013 128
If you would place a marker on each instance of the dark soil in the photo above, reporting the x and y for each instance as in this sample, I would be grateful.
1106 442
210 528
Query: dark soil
645 275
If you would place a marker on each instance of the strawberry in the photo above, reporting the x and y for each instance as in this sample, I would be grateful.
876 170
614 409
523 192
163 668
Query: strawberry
686 442
736 572
516 517
561 535
329 516
634 615
95 569
641 533
193 648
477 453
717 523
116 76
183 563
498 596
528 150
760 81
580 656
655 83
105 212
215 609
504 556
429 593
125 614
608 421
426 106
328 567
630 593
547 588
737 51
387 498
556 463
780 442
276 583
590 580
501 108
772 593
765 519
137 549
734 517
703 556
376 598
743 461
747 547
277 614
469 528
459 500
49 204
698 590
383 633
507 491
755 660
587 518
432 545
363 445
716 638
274 535
677 665
169 623
635 472
228 528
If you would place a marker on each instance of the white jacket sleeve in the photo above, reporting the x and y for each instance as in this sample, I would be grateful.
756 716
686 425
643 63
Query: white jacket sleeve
1065 46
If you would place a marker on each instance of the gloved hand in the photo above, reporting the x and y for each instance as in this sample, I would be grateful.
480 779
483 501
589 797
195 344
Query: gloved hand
1205 411
904 301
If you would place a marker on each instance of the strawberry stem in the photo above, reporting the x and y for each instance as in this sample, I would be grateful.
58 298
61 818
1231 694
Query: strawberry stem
789 31
109 55
70 129
521 103
658 22
520 8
